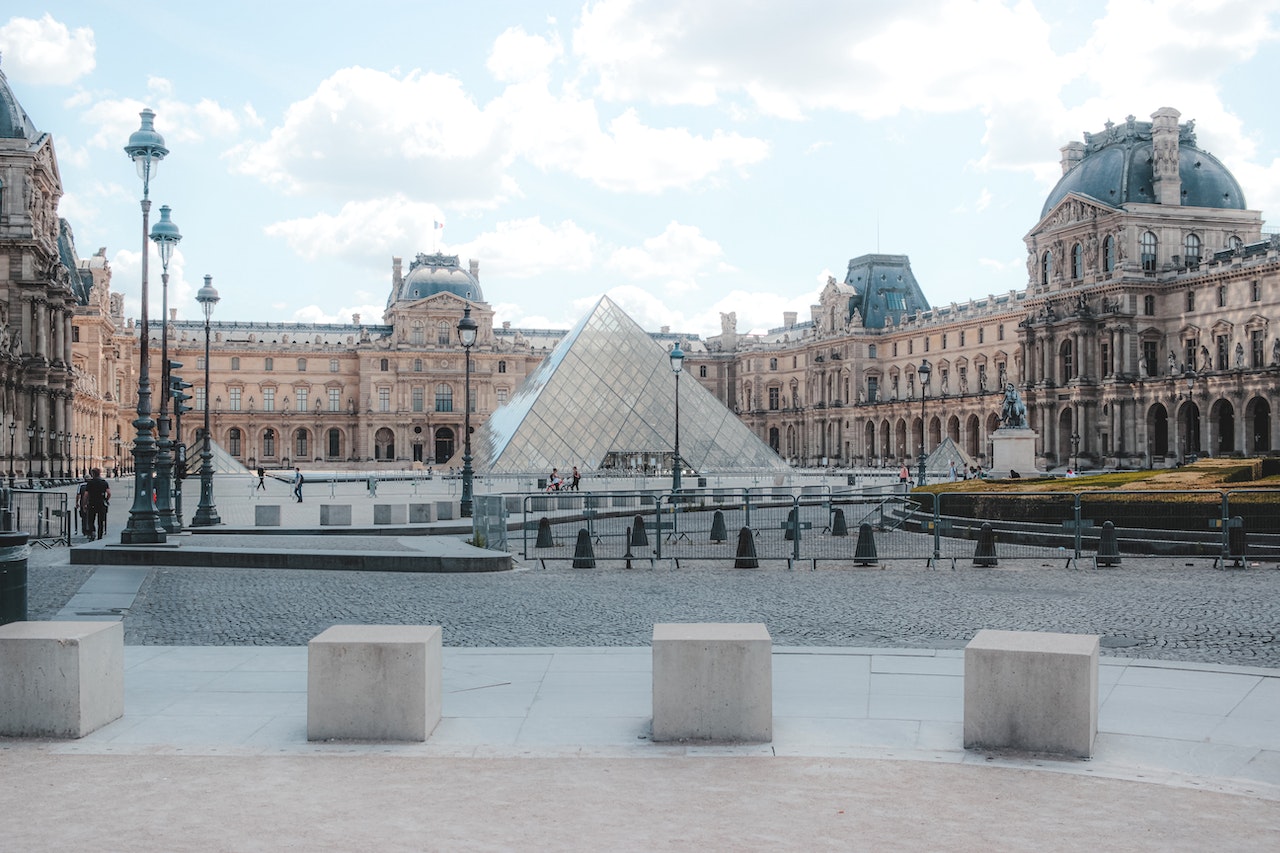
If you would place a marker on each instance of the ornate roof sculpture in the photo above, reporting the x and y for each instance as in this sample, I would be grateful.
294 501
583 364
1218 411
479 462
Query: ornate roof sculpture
432 274
1126 163
605 397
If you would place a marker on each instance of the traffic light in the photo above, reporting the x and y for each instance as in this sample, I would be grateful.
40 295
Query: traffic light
178 389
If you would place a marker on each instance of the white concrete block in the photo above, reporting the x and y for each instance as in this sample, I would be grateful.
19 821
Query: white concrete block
60 679
446 510
1031 691
712 682
388 513
335 515
420 513
266 515
374 682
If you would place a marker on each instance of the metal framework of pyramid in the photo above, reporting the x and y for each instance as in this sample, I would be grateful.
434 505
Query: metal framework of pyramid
605 398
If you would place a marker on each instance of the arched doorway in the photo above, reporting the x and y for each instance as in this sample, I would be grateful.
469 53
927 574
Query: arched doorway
1157 433
773 439
384 444
1189 423
1257 413
1065 431
972 436
1224 422
444 445
869 442
953 429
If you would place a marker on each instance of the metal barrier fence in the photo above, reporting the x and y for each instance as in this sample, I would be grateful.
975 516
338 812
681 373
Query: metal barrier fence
873 525
43 515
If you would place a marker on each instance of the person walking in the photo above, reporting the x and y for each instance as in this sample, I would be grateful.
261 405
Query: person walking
573 485
82 508
262 478
98 498
298 480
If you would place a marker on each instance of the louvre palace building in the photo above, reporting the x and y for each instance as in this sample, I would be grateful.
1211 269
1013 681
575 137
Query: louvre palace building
1143 337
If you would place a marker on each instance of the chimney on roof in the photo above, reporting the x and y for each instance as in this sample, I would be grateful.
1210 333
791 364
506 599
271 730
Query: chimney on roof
397 264
1072 153
1164 148
789 319
475 269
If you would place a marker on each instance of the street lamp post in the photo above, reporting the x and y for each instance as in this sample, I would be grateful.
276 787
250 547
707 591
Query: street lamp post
677 367
467 330
166 236
146 149
31 456
13 431
924 370
40 452
89 463
206 513
115 439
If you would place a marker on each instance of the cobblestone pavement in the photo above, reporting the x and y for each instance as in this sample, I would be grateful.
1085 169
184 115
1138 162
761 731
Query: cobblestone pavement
1153 609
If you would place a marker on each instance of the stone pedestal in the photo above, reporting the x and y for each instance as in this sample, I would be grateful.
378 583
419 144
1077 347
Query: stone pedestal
1013 450
374 682
446 510
335 515
388 513
60 679
1031 691
420 513
712 682
266 515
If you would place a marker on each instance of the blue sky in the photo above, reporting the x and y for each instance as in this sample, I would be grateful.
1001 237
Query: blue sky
685 158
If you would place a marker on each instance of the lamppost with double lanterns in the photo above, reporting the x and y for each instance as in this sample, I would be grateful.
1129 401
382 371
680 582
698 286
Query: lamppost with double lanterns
1075 453
146 149
40 451
166 236
206 513
467 331
677 367
924 370
13 432
31 456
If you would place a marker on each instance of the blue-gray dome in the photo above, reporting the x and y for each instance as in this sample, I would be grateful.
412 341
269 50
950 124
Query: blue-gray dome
1117 168
432 274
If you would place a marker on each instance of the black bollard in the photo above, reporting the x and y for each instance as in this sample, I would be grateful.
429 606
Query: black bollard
583 556
13 577
746 558
791 526
865 552
1108 547
839 527
638 537
985 554
718 531
628 556
1236 539
544 534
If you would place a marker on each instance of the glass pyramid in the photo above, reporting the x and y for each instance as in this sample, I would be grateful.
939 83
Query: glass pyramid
605 398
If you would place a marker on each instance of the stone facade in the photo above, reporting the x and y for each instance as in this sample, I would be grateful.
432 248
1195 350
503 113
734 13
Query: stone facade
1143 336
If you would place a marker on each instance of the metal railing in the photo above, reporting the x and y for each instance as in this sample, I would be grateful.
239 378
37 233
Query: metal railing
46 516
819 523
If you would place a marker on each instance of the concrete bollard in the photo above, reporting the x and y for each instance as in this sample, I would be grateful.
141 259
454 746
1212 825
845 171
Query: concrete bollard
984 555
718 531
639 539
583 556
839 527
1108 546
544 534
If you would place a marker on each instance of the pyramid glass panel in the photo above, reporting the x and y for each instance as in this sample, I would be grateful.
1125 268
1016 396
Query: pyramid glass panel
606 397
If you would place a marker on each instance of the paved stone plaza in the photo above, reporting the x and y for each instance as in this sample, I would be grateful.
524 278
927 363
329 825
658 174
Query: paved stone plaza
1160 609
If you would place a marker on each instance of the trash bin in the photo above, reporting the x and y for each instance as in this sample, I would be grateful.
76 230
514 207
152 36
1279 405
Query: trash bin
13 577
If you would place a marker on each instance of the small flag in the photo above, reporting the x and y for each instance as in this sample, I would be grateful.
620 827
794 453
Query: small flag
439 225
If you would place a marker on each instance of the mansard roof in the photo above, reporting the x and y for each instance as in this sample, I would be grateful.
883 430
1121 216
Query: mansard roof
884 287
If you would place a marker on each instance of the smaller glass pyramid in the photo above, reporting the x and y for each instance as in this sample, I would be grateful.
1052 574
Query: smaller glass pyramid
605 398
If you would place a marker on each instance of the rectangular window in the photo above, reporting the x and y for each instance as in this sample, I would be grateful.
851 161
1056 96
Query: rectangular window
268 364
982 330
302 365
1222 296
301 394
444 398
199 362
1192 347
384 399
873 389
419 399
773 399
1149 353
1106 359
502 396
1000 332
200 399
1255 290
75 334
1223 352
1191 300
1149 305
235 400
335 399
961 337
335 444
333 365
235 362
895 349
1255 348
268 399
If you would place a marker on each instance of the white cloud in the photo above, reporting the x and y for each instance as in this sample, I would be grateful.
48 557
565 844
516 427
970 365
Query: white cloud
46 51
126 278
680 250
361 230
316 314
517 56
526 248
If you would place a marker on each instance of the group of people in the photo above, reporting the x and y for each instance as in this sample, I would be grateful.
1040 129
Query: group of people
555 482
93 498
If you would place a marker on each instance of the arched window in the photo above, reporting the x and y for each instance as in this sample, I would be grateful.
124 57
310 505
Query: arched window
502 367
443 335
417 333
301 441
269 442
1077 261
444 398
773 364
1235 244
268 364
1046 267
1109 254
233 441
384 365
1147 251
1191 249
417 365
702 371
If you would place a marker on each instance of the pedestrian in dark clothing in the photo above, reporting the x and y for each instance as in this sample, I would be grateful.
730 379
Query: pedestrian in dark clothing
262 478
297 484
98 499
576 477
